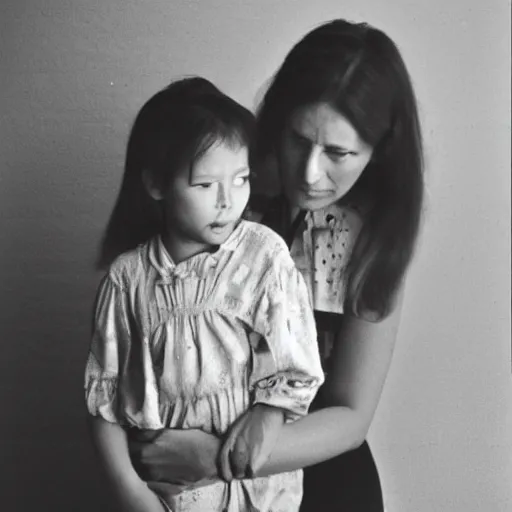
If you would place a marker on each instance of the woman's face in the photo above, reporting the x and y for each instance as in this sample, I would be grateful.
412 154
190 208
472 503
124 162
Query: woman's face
321 157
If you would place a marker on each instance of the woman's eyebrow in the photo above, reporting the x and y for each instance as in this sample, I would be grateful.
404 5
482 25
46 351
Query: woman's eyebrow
328 147
335 147
299 135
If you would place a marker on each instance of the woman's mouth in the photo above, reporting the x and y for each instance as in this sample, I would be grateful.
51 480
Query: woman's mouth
315 194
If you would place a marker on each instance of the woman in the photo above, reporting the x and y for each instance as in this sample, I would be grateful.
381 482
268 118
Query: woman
339 127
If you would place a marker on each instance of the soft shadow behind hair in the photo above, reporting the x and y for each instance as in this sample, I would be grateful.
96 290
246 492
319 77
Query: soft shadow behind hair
172 130
358 70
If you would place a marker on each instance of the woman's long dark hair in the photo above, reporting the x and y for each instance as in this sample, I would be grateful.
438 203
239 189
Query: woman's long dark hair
172 130
358 71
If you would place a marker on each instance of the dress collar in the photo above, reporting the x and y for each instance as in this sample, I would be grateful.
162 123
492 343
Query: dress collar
331 217
198 266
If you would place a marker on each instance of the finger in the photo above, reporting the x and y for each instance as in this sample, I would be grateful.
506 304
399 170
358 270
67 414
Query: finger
239 458
237 465
225 467
224 462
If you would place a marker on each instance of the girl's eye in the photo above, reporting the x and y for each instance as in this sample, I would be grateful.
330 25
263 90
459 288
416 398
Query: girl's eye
240 181
204 185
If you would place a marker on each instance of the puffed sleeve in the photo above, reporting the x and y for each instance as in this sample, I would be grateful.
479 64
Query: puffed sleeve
117 387
110 328
286 364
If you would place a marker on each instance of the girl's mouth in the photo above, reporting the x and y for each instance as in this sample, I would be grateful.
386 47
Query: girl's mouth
217 227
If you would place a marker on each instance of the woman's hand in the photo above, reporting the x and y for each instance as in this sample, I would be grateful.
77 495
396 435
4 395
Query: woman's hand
181 457
250 442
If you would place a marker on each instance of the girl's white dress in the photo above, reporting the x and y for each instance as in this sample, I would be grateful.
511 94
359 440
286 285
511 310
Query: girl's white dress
194 345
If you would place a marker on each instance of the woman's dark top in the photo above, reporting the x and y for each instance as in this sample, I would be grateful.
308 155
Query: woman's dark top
320 243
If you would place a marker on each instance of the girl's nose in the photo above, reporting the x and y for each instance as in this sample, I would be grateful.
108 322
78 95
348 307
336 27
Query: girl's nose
223 197
312 170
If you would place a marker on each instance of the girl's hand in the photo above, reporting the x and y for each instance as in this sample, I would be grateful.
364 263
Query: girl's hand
181 457
250 442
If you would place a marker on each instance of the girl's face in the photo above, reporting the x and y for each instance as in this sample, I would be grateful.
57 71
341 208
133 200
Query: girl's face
321 157
203 204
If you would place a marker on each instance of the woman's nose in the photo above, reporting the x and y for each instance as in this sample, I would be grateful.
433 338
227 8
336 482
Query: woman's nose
312 169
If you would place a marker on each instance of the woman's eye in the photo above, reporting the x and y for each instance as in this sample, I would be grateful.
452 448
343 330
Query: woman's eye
241 180
300 141
204 185
336 156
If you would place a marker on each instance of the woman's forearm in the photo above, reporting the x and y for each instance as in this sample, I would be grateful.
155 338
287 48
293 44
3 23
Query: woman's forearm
131 492
358 366
321 435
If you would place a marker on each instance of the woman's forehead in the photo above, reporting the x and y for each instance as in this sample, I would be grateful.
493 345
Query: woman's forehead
324 125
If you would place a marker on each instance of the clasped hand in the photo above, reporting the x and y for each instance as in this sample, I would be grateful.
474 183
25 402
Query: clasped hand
195 458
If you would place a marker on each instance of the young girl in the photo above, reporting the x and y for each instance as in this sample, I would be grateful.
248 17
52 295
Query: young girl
202 320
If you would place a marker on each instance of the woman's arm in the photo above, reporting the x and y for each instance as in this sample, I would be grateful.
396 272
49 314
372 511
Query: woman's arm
360 362
250 441
359 365
131 492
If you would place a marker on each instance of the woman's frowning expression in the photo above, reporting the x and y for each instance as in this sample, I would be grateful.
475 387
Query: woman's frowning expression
321 156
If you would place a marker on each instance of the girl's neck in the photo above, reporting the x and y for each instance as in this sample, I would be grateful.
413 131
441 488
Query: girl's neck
180 249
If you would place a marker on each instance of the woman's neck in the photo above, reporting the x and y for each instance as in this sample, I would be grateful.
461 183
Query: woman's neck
293 211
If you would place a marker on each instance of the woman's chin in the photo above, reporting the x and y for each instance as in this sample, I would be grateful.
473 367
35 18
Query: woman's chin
305 202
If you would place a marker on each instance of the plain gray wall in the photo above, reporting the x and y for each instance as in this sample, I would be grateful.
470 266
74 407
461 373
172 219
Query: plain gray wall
72 77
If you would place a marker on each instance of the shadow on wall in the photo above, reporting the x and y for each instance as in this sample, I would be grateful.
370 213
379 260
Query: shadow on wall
47 290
